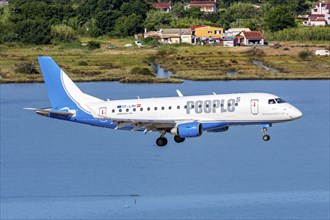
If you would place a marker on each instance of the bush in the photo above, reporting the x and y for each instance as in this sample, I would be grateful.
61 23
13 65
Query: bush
26 68
256 52
165 50
141 71
63 33
305 54
82 63
93 45
150 41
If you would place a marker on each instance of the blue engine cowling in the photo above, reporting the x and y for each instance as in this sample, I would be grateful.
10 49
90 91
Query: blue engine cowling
191 129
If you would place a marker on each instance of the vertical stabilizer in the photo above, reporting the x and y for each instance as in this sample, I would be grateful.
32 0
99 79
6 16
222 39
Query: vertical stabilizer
62 92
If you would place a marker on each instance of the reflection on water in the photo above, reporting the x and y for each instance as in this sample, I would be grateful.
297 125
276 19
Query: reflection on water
160 72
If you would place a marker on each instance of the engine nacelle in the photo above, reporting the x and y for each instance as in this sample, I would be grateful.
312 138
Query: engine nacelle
191 129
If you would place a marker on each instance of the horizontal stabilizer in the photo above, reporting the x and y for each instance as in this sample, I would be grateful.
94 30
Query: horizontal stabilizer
47 111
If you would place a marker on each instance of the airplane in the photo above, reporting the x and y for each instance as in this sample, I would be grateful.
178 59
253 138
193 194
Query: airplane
182 116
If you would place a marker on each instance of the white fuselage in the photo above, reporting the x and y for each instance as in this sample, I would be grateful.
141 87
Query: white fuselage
233 108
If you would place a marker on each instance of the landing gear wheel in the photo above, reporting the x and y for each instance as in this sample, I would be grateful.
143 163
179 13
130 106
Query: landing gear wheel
161 141
266 137
178 139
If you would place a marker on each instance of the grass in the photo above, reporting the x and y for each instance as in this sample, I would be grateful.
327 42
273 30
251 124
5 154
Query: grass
186 62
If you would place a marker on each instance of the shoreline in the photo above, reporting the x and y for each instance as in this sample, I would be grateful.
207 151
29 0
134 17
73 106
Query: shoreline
175 81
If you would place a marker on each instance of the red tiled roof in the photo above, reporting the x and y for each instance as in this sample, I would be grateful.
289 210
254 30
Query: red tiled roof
197 26
253 34
317 19
316 15
161 4
201 3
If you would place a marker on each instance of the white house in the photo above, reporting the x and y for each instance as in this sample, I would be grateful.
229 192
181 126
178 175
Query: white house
176 35
320 15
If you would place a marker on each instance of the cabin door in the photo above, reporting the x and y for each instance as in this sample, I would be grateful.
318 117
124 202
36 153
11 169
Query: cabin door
254 106
103 112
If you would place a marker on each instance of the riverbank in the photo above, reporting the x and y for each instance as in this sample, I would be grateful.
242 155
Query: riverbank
132 64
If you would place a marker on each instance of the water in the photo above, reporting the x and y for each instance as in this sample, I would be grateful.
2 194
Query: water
160 72
53 169
261 64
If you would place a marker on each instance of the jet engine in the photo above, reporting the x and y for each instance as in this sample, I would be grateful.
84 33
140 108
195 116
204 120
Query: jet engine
191 129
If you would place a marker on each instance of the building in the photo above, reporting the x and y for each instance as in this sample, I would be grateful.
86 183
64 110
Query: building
207 31
3 2
236 31
162 6
251 38
176 35
205 6
320 15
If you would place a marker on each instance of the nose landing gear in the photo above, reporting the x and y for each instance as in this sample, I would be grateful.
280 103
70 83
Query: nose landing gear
265 137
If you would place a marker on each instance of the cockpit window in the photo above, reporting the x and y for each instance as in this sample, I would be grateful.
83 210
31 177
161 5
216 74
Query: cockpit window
279 100
271 101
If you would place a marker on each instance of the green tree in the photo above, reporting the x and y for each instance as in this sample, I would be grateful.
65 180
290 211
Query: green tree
178 9
194 12
240 11
33 31
279 18
106 20
128 25
137 7
156 20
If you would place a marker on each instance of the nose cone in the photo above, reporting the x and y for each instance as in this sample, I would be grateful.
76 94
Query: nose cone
295 113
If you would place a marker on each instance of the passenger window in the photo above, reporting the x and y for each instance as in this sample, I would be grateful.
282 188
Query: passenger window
163 108
120 110
141 109
178 107
148 108
113 111
185 107
155 108
127 110
169 107
134 109
200 106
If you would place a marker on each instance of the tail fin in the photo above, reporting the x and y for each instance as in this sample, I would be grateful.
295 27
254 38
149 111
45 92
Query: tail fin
62 92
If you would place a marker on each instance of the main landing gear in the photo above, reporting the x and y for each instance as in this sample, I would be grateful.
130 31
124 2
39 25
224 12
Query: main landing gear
162 140
266 137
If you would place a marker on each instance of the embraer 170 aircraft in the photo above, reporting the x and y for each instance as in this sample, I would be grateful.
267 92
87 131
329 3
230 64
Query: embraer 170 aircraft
182 116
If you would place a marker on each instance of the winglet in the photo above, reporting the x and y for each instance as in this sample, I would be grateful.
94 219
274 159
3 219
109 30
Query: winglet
179 93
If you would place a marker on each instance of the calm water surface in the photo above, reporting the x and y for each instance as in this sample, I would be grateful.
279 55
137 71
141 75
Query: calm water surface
53 169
